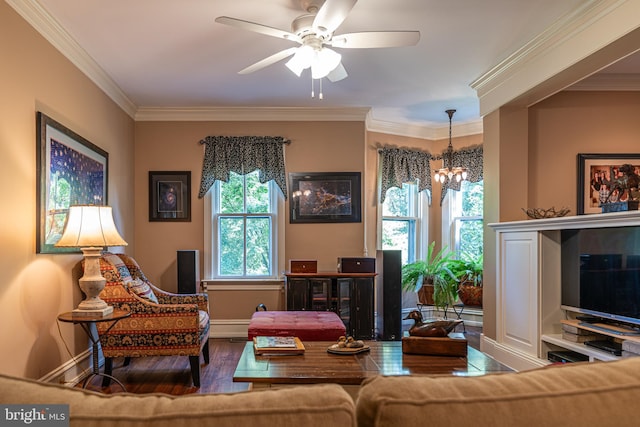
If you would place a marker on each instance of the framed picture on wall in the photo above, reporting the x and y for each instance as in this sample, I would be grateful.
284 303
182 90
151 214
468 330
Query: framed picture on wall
595 175
170 196
70 171
324 197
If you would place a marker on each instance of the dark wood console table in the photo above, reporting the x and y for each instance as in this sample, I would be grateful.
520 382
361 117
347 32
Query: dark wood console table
349 295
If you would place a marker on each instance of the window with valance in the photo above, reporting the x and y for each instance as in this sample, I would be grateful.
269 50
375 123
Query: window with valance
400 165
242 155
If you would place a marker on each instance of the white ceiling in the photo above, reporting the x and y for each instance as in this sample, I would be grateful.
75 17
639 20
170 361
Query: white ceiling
171 53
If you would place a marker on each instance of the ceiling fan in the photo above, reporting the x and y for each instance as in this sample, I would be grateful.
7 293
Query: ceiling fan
314 31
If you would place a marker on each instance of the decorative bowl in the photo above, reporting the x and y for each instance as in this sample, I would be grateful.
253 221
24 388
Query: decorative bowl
539 213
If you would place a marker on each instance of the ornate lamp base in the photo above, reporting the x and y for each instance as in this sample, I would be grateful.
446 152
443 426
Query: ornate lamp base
92 283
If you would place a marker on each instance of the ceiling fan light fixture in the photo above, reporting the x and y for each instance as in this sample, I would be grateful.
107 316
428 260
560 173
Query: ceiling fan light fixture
301 60
324 61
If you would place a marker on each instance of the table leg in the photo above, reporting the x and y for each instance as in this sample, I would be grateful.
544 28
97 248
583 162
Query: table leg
95 371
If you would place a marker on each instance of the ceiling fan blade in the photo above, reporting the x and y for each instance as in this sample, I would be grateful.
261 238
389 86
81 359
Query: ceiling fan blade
269 60
374 39
258 28
337 74
332 14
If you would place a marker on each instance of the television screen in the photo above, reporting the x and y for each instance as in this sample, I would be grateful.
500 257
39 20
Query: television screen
601 272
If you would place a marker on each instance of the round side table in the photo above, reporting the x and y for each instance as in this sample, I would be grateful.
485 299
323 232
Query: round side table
86 322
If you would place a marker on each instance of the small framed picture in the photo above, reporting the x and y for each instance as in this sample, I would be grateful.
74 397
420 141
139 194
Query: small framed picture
597 174
170 196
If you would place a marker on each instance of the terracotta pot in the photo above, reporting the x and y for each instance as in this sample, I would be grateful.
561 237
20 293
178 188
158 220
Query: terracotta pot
425 294
470 294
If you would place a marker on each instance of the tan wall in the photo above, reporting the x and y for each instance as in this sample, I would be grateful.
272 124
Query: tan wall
35 288
315 147
571 123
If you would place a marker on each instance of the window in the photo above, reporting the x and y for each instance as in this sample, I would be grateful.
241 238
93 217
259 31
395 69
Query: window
244 228
403 212
462 220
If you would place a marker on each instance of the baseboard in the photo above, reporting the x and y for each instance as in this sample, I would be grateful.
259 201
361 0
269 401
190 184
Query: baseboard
229 328
509 356
71 372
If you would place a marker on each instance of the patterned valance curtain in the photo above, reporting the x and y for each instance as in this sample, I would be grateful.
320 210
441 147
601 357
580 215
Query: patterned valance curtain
242 155
400 165
470 158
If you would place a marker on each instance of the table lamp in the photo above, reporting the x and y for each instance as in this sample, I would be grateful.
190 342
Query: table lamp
91 228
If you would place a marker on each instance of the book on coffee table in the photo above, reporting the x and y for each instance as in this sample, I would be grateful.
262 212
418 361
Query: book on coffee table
278 345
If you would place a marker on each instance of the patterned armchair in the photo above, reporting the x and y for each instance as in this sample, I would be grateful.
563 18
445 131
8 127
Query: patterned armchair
161 323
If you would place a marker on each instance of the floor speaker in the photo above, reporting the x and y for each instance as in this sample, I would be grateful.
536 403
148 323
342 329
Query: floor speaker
389 295
188 271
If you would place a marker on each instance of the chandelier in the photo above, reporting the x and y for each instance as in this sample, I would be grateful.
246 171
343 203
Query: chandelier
449 171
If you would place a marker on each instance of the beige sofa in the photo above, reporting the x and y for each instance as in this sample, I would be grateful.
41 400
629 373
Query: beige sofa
596 394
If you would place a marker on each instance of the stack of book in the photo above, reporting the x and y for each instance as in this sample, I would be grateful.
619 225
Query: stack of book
278 345
574 334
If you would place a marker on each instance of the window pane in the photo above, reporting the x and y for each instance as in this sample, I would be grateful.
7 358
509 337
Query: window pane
472 197
397 201
231 238
257 194
399 234
470 238
232 194
258 245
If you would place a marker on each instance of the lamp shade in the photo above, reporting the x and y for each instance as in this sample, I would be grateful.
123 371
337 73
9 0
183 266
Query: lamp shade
90 226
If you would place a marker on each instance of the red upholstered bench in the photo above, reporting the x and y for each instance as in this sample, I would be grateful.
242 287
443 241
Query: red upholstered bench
306 325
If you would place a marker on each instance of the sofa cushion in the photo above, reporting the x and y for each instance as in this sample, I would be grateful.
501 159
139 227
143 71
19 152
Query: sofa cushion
573 395
143 290
322 405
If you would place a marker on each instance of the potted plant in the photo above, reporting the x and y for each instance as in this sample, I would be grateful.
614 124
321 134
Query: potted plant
469 271
432 278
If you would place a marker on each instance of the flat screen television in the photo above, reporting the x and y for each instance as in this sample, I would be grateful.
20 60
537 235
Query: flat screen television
601 272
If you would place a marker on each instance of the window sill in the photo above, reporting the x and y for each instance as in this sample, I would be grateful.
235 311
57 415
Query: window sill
243 284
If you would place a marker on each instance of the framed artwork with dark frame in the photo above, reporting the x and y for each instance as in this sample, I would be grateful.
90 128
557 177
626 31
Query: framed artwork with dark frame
70 171
595 171
170 196
324 197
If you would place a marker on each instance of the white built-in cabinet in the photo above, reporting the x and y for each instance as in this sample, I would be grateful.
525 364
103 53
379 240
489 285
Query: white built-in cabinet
528 280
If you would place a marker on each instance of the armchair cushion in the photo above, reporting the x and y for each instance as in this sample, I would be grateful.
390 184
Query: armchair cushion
143 290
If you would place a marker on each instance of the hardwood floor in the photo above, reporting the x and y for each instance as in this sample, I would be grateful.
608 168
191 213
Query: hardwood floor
172 375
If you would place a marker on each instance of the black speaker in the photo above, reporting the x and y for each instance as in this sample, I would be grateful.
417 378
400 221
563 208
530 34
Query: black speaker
188 271
389 295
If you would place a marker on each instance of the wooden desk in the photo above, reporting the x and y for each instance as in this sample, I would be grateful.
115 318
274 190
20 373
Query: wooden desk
384 358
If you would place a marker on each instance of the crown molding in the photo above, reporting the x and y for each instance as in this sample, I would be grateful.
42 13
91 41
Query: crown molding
53 32
424 131
252 114
565 27
574 37
608 82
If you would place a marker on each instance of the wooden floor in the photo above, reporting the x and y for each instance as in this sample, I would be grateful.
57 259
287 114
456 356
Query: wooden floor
172 375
